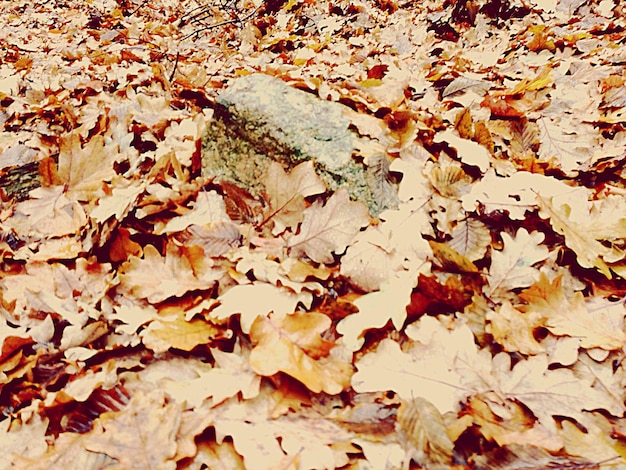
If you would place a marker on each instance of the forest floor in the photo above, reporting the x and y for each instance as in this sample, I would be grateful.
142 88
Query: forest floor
154 318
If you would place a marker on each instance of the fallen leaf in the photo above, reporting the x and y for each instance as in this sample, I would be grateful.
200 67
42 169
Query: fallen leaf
293 345
515 265
329 229
253 300
156 278
286 193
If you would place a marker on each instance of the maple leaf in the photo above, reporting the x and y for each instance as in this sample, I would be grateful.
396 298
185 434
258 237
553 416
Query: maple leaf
512 267
286 193
329 229
293 345
156 278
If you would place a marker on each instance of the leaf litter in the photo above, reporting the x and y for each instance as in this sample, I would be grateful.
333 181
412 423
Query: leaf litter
153 318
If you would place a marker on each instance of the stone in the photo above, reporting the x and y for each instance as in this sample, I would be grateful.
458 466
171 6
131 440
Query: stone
260 118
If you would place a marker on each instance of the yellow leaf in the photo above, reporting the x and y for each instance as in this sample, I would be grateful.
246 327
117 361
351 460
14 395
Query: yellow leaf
514 329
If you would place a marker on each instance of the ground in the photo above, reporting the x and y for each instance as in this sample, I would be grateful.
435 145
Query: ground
154 318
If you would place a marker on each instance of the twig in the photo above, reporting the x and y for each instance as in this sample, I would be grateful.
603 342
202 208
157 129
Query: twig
138 8
223 23
175 66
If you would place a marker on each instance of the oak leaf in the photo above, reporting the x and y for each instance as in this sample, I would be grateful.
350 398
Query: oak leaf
376 309
140 436
513 266
285 442
514 330
84 169
162 334
24 439
570 315
330 228
156 278
428 369
517 193
585 226
48 213
253 300
549 393
293 345
468 152
286 193
208 208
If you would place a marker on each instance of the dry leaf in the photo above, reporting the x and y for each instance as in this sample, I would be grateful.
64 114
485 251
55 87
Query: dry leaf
286 193
329 229
156 278
293 345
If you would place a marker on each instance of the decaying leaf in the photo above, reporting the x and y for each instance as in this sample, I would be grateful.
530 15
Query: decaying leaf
140 436
585 229
154 317
594 327
427 438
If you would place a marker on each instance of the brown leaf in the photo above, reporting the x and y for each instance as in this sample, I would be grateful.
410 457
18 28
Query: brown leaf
156 278
140 436
293 345
179 333
426 434
329 229
286 193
